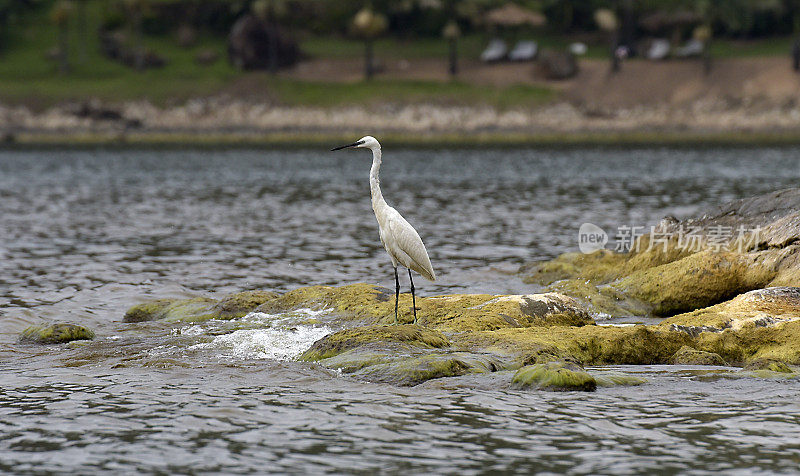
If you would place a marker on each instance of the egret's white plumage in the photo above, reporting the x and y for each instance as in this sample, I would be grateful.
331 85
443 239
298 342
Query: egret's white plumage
398 237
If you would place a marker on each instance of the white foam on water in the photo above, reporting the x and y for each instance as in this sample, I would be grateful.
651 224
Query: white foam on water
193 330
273 343
290 315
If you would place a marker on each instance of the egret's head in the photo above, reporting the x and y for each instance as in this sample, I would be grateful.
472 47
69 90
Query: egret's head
367 142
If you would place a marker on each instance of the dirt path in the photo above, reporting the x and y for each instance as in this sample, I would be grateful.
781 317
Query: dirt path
639 83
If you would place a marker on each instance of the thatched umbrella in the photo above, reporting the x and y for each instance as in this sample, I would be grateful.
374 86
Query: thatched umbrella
664 20
512 14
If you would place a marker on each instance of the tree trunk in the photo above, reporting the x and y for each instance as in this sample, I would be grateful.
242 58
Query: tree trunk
616 61
273 48
82 30
368 66
63 48
453 57
139 40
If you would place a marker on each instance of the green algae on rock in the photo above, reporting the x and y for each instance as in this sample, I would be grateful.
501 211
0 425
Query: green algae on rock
688 356
780 342
589 345
55 334
759 308
194 309
147 311
458 312
354 301
560 376
666 273
240 304
413 370
612 378
695 281
768 364
406 335
199 308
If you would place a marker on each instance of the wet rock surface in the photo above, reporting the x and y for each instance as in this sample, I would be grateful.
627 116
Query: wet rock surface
683 266
57 333
688 356
562 376
709 307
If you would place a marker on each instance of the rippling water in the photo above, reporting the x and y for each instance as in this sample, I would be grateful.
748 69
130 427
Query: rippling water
87 234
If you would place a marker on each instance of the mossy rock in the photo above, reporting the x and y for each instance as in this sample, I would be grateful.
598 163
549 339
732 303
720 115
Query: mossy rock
55 334
600 266
602 299
780 342
354 301
458 312
194 309
696 281
482 312
588 345
356 359
757 308
547 309
770 365
560 376
611 378
689 356
240 304
409 371
372 336
147 311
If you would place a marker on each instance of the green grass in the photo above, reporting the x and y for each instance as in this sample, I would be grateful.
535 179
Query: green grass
299 93
753 48
28 77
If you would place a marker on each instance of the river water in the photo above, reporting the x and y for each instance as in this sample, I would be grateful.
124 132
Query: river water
86 234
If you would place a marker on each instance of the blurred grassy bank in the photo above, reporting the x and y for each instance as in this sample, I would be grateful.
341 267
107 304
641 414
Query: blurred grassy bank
674 139
29 73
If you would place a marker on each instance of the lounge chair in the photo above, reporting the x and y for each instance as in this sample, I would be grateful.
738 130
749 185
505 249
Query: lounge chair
496 51
524 51
691 48
659 49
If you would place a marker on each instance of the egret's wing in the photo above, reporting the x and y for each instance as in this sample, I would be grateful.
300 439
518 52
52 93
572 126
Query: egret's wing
403 241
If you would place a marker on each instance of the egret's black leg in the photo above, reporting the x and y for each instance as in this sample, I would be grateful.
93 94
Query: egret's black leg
396 293
413 298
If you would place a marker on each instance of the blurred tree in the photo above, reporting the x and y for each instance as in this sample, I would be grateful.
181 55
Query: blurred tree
60 16
83 30
368 25
9 10
135 9
270 12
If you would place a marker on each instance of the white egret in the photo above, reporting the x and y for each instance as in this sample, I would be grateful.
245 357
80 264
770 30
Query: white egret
400 239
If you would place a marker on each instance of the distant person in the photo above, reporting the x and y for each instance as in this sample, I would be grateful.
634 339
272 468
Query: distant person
796 55
620 53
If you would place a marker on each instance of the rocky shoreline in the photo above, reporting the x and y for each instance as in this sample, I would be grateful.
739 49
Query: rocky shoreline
721 302
227 117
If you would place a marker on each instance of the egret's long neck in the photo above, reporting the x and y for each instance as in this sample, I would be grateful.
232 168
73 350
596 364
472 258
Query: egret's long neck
375 182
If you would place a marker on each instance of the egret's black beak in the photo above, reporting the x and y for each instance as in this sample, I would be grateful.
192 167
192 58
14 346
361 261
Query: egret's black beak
348 145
